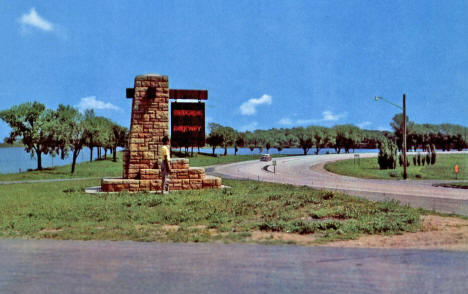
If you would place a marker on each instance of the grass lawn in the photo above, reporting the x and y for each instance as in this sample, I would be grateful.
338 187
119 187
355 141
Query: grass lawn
369 168
108 168
63 211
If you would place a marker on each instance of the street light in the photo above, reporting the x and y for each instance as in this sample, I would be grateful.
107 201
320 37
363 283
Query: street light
377 98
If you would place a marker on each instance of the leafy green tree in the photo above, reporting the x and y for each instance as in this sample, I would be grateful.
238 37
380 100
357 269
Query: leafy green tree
91 129
229 138
119 139
398 127
32 123
240 142
70 132
347 137
304 139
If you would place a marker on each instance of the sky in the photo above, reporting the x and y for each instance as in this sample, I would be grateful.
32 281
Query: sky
266 64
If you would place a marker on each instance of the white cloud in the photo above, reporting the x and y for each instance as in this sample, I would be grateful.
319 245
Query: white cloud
330 116
249 127
92 103
327 116
307 121
249 107
285 121
35 20
364 124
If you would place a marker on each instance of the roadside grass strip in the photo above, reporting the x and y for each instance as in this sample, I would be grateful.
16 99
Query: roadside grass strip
62 210
369 169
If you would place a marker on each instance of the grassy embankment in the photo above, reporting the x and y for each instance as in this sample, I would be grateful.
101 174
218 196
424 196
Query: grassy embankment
107 168
369 168
62 210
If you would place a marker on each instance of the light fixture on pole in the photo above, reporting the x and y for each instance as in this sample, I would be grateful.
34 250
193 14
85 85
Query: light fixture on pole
405 160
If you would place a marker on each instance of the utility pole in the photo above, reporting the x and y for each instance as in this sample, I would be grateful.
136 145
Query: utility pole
405 174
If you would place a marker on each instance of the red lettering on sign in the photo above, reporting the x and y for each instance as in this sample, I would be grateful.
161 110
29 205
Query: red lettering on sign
188 112
186 128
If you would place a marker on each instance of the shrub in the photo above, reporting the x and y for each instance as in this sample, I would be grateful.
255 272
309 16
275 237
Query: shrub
414 160
387 155
433 154
419 158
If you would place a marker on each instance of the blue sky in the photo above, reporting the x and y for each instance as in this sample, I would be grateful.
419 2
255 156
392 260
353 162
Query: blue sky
265 63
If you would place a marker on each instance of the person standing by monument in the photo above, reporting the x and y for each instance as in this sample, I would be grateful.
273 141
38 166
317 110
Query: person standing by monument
165 165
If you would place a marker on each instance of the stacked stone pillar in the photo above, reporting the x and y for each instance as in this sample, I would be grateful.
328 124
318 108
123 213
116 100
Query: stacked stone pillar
149 124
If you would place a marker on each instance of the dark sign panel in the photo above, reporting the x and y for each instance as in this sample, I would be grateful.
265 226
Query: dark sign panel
188 94
187 124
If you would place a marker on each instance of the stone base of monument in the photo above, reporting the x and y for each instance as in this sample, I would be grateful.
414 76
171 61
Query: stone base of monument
182 177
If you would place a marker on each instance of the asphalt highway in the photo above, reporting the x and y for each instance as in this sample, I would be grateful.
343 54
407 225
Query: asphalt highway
50 266
309 171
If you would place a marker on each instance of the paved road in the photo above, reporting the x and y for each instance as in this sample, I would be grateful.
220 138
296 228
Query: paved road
309 171
48 266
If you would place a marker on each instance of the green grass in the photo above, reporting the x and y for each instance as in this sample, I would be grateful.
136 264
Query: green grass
63 211
369 168
108 168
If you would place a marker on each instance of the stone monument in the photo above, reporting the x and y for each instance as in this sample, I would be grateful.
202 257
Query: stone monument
149 124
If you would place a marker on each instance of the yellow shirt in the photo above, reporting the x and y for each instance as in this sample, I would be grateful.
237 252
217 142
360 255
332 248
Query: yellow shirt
165 151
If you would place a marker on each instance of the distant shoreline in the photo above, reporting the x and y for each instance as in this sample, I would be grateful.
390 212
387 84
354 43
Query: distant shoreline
5 145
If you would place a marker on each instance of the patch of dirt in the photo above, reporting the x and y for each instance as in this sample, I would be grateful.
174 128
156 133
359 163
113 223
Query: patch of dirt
51 230
439 232
287 237
170 228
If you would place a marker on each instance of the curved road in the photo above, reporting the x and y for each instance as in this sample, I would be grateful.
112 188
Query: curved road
309 171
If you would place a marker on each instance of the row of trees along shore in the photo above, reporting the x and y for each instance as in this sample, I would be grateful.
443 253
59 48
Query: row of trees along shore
67 130
62 131
345 137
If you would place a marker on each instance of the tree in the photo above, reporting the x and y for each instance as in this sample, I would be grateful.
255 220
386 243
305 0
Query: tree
229 137
304 139
120 139
91 130
347 137
398 127
240 142
69 132
32 123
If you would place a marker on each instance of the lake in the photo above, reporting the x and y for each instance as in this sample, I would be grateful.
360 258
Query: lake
15 159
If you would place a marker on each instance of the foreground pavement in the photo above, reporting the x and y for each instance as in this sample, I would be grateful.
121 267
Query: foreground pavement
50 266
309 171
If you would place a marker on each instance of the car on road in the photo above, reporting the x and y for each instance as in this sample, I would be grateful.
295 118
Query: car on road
265 157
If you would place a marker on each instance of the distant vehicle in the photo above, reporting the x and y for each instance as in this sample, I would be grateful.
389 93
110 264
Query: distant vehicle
265 157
